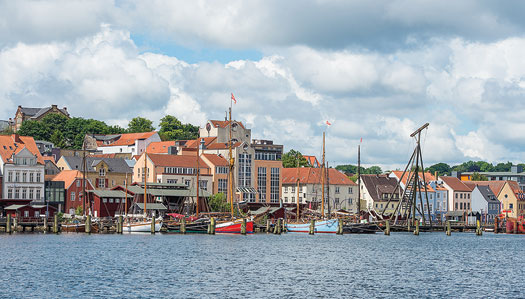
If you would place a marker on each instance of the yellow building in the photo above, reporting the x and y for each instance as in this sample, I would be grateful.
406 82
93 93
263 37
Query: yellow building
512 200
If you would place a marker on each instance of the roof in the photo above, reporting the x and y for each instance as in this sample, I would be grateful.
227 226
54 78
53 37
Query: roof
312 160
108 193
216 160
118 165
14 207
129 139
379 184
169 192
160 147
37 112
222 145
12 144
196 142
68 177
224 123
49 158
455 184
495 186
498 173
309 175
176 161
487 193
428 176
151 206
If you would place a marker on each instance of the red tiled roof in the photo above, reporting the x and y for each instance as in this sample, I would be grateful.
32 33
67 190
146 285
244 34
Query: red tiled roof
312 160
309 175
428 176
129 138
222 145
216 160
160 147
176 160
49 158
455 184
224 123
105 155
69 177
8 148
495 186
196 142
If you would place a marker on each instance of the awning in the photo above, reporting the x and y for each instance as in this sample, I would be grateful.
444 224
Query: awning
247 190
454 214
151 206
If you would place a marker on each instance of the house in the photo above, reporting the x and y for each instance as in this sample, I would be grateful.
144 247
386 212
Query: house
516 174
219 170
431 193
440 199
459 195
512 200
23 169
25 113
54 195
104 173
73 184
129 143
340 191
267 170
312 161
27 212
106 203
377 189
50 167
485 202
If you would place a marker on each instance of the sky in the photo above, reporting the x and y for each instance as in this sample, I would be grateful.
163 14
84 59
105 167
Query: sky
376 70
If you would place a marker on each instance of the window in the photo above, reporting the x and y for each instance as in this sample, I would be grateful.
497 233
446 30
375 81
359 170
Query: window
37 214
336 189
72 196
203 185
222 186
456 195
38 177
221 169
104 200
511 206
26 214
456 205
24 193
187 182
117 200
461 206
24 177
17 176
10 193
461 195
261 183
111 200
102 171
31 193
468 205
350 190
245 170
17 193
31 177
274 184
38 194
336 202
78 183
10 176
468 195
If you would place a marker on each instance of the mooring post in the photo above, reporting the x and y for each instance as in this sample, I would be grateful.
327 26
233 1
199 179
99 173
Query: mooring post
15 224
8 224
478 228
340 227
183 225
208 230
120 224
312 227
153 224
267 226
279 227
212 225
55 224
448 230
515 227
496 225
88 224
387 228
243 226
45 225
416 229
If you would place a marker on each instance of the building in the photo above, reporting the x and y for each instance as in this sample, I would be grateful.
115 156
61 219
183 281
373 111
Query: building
219 170
25 113
73 185
512 199
268 169
54 195
459 195
340 191
25 212
45 147
312 161
131 143
516 174
107 203
104 173
23 169
431 193
485 202
377 189
50 167
440 199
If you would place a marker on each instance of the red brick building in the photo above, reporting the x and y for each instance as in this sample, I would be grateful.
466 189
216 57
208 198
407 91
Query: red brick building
74 185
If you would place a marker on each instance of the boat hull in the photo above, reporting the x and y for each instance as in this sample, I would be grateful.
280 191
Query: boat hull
142 227
233 227
321 227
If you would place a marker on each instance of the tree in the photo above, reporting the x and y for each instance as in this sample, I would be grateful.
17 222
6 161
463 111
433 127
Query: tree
140 124
33 128
374 170
476 176
441 168
58 139
218 203
290 159
172 129
353 169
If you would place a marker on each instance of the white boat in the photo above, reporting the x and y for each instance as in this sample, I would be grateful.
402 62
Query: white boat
142 226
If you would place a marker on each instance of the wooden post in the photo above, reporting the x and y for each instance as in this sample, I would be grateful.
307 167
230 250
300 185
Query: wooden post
496 225
15 224
387 228
449 230
153 224
278 226
515 227
88 224
243 226
267 226
183 225
340 227
45 225
120 224
8 224
312 227
478 228
416 229
212 225
55 224
208 231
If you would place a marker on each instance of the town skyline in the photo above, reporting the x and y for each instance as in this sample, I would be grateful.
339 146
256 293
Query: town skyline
376 74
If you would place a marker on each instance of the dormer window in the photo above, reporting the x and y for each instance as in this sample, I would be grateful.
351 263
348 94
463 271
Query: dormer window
102 171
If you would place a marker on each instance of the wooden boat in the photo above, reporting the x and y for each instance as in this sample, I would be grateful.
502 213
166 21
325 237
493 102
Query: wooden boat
324 227
233 227
197 227
143 226
78 228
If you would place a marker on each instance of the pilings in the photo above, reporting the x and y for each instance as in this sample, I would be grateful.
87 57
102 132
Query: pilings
88 224
448 230
312 227
55 224
416 229
120 224
213 224
479 231
268 226
8 224
243 226
45 225
496 225
387 228
183 225
278 227
340 227
153 225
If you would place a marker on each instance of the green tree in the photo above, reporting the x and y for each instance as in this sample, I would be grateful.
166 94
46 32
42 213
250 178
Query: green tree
57 138
219 203
79 211
353 169
35 129
291 158
140 124
503 167
476 176
374 170
172 129
441 168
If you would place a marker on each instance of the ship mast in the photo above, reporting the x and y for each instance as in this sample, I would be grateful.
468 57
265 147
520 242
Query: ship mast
232 160
358 183
322 182
197 204
126 196
297 217
84 178
145 181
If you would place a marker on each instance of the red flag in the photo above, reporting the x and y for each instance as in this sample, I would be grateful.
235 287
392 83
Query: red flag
361 140
328 123
233 98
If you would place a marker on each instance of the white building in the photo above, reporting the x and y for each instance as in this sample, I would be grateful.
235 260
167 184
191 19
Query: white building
133 144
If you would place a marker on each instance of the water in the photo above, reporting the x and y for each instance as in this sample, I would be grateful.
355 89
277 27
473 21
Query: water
262 266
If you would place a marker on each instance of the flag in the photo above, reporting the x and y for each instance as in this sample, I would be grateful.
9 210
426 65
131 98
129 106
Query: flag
233 98
328 123
361 140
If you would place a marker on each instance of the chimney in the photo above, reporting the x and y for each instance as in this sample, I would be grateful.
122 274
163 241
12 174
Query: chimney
65 108
54 106
16 139
202 146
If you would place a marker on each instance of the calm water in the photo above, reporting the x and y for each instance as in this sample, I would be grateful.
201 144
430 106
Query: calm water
299 266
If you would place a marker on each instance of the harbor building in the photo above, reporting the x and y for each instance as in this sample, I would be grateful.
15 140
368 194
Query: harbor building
377 189
25 113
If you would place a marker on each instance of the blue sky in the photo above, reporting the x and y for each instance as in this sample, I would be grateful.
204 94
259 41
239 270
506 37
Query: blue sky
376 70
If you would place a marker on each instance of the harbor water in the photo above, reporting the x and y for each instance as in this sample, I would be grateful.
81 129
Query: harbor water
260 266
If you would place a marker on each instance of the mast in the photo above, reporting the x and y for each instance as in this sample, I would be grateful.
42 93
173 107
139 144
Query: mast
198 169
358 183
145 181
327 171
126 195
232 160
322 182
297 216
84 179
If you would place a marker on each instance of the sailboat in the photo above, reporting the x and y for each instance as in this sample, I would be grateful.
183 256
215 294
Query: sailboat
143 225
234 226
328 226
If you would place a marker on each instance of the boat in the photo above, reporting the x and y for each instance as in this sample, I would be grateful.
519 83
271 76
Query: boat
78 228
143 226
323 227
233 227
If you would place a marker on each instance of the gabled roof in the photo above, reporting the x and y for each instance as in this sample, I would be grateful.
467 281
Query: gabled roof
428 176
128 139
224 123
455 184
487 193
310 175
160 147
49 158
37 112
13 144
216 160
163 160
379 184
118 165
495 186
69 177
312 160
196 142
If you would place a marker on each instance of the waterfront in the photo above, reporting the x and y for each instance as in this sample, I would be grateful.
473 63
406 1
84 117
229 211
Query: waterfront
232 266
